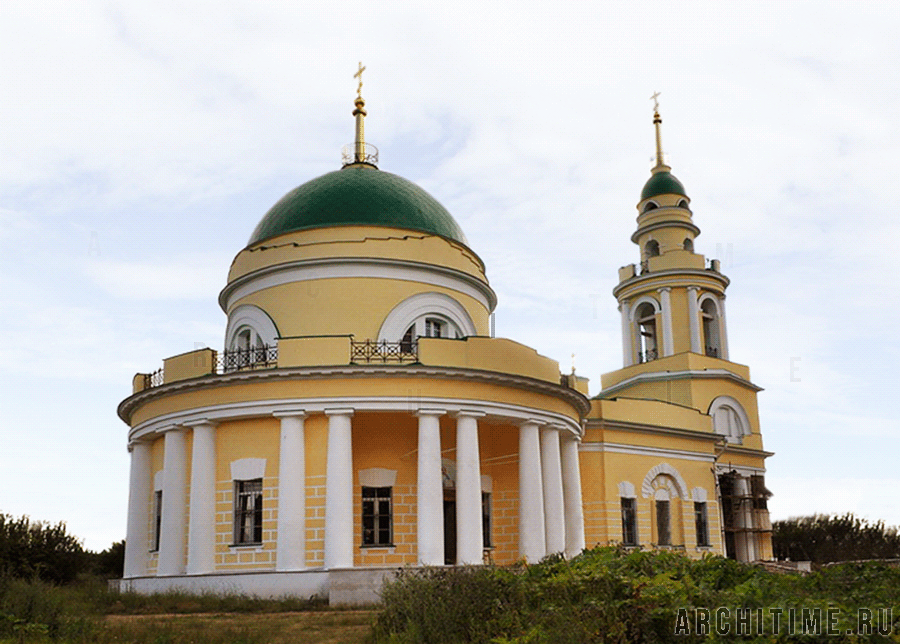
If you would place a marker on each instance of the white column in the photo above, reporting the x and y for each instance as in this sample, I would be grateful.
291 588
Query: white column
532 540
551 470
723 335
694 320
430 489
627 342
290 553
571 481
202 523
469 535
668 345
339 490
743 541
136 544
171 547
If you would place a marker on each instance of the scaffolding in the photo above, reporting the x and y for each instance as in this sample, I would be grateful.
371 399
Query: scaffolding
744 515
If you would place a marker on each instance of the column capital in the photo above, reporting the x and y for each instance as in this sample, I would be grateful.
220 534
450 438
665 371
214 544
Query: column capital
693 288
171 428
290 413
429 412
533 421
342 411
198 423
466 413
664 289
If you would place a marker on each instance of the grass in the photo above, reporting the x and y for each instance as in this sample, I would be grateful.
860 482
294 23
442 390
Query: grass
36 612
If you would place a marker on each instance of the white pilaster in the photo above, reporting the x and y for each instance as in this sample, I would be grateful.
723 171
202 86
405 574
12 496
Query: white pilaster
136 545
744 542
694 320
430 492
532 539
668 344
571 480
202 523
551 469
469 535
627 342
339 490
171 547
723 335
290 553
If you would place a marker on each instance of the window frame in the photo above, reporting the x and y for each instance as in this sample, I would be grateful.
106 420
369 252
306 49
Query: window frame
373 536
486 520
663 510
248 533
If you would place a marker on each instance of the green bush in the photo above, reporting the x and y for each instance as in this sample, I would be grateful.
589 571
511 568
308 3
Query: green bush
613 595
35 549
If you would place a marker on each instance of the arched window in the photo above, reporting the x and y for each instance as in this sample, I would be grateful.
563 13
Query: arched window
651 248
729 419
426 315
650 205
645 320
709 316
688 244
662 514
683 204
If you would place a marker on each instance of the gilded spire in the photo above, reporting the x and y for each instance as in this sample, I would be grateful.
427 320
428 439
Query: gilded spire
360 151
360 114
657 122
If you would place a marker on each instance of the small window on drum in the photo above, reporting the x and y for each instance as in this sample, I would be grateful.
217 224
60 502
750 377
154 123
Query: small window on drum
651 248
435 328
650 205
683 204
688 244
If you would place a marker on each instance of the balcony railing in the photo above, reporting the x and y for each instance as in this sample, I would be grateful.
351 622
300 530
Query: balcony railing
367 351
154 379
264 357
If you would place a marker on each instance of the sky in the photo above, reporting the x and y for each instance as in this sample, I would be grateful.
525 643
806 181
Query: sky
140 144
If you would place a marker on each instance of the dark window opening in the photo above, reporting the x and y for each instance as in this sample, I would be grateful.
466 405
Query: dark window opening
377 529
248 510
701 523
486 518
663 531
629 522
157 519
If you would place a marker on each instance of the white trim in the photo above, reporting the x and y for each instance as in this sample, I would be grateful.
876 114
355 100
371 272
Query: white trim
377 477
644 299
626 490
158 481
727 402
343 267
515 414
617 448
698 495
420 306
743 470
666 470
694 318
247 315
487 483
666 309
655 376
247 469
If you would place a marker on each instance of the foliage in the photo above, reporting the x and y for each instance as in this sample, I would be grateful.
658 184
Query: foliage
614 595
823 539
36 549
109 564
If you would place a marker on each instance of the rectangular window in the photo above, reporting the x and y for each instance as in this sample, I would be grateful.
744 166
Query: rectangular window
629 522
486 518
663 533
702 524
157 519
377 516
248 507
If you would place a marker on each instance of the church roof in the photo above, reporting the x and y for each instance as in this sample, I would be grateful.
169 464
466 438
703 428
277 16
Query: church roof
662 183
358 195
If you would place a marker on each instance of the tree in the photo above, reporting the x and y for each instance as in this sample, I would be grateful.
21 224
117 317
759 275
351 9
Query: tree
822 539
37 549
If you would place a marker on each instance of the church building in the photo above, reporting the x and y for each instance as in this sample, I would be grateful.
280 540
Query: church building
361 417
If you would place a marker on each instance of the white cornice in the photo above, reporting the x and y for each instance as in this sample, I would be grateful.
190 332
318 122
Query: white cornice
337 267
639 450
663 376
274 408
669 277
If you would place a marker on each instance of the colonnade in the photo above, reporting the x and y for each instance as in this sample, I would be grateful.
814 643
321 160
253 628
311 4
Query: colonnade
550 507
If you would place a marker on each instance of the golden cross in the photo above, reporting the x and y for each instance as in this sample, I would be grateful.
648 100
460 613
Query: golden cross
655 99
359 76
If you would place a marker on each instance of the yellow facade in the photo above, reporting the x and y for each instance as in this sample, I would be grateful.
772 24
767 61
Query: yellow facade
359 366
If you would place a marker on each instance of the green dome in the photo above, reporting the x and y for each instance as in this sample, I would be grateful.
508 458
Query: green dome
358 196
662 183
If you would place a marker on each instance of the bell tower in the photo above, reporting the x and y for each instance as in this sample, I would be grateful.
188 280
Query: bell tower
673 300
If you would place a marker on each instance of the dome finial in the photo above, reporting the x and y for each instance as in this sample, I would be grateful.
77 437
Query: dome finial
657 121
361 152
